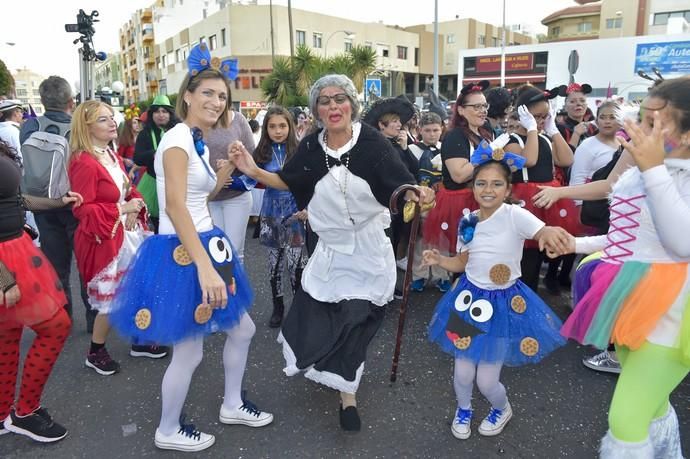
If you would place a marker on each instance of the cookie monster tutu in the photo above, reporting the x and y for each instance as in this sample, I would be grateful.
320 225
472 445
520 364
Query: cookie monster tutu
159 297
511 325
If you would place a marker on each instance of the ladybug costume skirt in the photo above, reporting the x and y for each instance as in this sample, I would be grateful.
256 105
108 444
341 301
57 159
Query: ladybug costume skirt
41 292
159 298
512 326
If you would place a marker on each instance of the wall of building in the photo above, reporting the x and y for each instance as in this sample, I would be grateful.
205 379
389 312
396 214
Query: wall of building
664 6
569 28
26 88
594 55
621 11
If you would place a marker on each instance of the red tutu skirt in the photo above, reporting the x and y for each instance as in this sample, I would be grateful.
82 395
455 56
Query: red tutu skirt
40 289
441 225
563 213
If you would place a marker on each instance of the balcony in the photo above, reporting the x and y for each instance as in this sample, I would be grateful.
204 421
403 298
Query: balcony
147 36
153 84
147 15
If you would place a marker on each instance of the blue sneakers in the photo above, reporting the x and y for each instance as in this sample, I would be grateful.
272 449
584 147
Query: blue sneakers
443 285
417 285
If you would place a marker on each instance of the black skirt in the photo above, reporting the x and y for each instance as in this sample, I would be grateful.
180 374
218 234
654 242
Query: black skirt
329 340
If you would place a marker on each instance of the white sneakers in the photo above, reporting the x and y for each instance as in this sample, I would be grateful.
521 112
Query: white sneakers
461 424
186 439
494 423
247 414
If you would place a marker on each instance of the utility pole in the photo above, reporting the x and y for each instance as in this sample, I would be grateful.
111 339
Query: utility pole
292 33
503 47
273 49
436 47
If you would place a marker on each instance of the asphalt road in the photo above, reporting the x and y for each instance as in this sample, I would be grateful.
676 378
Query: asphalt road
560 407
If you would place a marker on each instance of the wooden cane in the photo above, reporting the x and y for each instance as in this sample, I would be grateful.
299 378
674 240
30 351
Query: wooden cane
408 273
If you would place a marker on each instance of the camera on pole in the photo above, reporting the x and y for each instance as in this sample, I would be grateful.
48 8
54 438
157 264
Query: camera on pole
88 55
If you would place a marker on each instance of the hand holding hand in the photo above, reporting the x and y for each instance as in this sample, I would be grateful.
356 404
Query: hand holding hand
241 158
431 258
73 198
10 297
526 119
647 150
556 241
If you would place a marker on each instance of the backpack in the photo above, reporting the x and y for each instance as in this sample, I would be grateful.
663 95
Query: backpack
45 154
596 213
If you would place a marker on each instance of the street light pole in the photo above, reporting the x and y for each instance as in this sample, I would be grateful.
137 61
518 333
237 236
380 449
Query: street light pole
436 47
325 46
503 47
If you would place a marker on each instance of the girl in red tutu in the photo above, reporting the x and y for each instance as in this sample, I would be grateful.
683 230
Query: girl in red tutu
544 147
30 296
455 198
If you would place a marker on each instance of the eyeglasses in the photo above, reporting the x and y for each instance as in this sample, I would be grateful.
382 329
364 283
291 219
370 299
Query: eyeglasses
337 98
478 107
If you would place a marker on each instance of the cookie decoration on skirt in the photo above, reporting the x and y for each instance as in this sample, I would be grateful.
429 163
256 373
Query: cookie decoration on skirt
202 314
499 274
142 319
529 346
518 304
181 256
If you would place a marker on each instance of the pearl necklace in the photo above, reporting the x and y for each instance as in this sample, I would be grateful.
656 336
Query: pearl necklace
342 186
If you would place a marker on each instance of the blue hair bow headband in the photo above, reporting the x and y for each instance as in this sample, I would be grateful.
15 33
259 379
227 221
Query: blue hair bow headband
200 59
494 152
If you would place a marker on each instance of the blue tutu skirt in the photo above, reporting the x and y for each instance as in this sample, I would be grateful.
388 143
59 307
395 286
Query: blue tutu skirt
513 325
159 297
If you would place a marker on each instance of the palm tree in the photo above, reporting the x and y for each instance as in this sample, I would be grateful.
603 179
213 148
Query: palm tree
363 63
304 64
280 85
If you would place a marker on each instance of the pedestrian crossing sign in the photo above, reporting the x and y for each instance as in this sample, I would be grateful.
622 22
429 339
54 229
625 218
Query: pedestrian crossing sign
373 86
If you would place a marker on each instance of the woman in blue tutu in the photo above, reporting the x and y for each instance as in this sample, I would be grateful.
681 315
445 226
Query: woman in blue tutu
490 318
187 281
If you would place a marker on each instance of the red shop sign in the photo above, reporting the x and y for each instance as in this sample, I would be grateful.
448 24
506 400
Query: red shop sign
514 62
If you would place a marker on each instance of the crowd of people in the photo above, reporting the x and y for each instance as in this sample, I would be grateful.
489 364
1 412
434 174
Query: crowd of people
156 213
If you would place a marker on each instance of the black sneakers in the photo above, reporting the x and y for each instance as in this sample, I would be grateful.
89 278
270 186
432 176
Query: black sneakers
101 362
38 426
152 352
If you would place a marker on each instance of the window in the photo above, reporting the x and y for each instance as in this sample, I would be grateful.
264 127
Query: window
178 55
348 45
213 42
556 31
584 27
481 39
317 40
450 38
381 50
416 56
164 60
494 41
223 41
402 52
301 37
615 23
202 39
662 18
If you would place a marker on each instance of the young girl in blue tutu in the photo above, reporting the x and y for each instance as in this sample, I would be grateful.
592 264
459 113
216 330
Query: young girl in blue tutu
187 281
282 222
490 318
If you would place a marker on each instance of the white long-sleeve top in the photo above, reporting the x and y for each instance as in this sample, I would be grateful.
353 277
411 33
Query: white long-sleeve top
655 213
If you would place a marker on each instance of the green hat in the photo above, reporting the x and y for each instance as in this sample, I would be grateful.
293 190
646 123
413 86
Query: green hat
161 100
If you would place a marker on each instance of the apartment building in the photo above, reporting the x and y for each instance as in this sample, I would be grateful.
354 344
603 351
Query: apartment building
26 88
588 20
243 31
108 71
138 63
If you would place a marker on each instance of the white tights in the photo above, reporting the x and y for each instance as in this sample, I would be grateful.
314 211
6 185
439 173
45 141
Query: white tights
186 357
488 383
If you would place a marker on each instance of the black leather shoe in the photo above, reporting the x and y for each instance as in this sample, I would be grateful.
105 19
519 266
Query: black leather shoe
349 419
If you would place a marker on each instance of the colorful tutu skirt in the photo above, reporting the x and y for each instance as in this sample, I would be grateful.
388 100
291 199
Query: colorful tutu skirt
513 325
624 302
279 229
441 225
159 299
41 292
147 188
563 213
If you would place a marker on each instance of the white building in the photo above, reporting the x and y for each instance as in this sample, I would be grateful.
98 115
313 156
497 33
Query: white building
602 63
26 87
